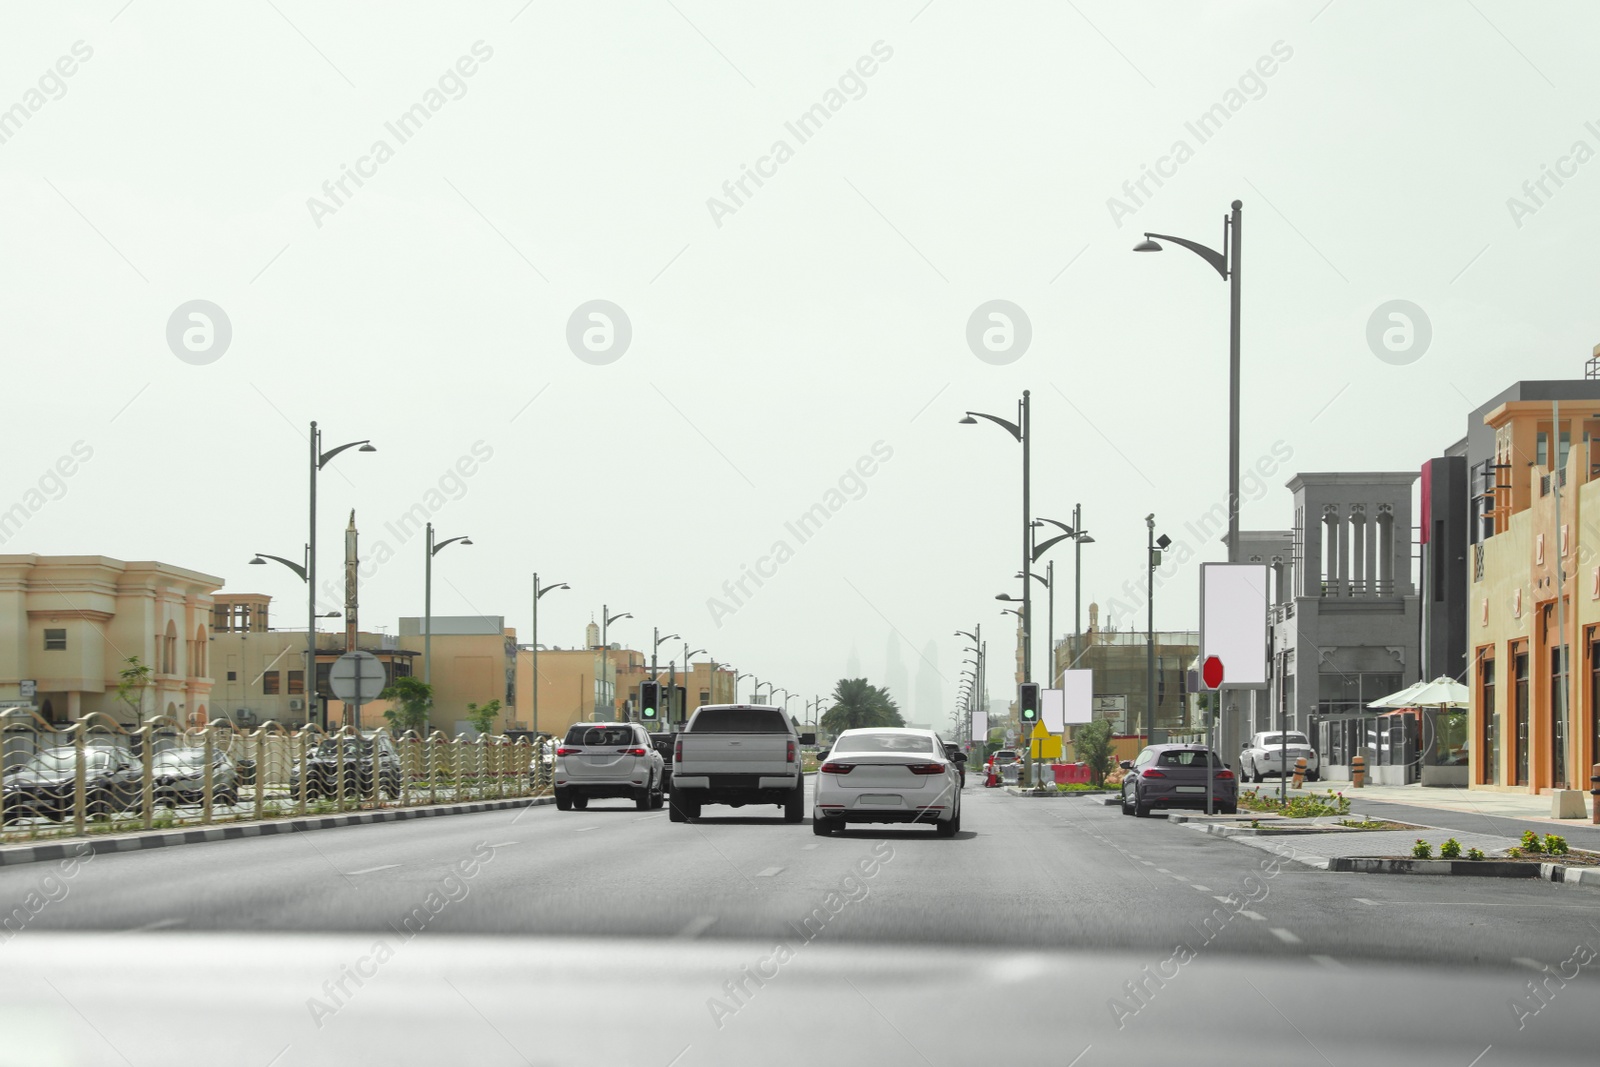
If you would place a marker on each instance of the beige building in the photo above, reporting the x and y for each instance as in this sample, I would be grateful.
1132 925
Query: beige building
1534 712
68 625
474 662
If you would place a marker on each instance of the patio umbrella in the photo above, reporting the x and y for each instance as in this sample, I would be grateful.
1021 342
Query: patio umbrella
1402 699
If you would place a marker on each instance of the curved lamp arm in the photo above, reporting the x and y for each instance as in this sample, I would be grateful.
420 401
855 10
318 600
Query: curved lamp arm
1210 255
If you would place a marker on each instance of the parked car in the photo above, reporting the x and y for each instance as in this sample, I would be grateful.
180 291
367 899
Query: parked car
321 770
1174 776
608 759
738 754
1275 752
951 751
178 776
888 775
663 744
543 762
44 786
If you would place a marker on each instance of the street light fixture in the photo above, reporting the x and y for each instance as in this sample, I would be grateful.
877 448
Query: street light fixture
318 460
538 592
434 548
1153 548
1020 431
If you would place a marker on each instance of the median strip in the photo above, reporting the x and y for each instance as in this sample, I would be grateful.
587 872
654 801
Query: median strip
139 841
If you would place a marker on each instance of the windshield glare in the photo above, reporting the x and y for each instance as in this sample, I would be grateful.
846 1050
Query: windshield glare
884 741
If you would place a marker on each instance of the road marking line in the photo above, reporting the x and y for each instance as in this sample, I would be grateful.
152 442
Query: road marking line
697 927
581 829
1330 963
159 924
1257 916
1283 935
1147 863
769 872
1202 888
1163 870
1534 965
373 870
503 844
1364 900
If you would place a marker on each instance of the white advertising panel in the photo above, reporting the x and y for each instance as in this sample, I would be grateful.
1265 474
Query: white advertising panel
1050 709
980 726
1233 621
1077 688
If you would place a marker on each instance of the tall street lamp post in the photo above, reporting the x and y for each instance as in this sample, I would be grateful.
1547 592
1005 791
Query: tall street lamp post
319 459
607 685
688 676
538 592
434 548
1020 431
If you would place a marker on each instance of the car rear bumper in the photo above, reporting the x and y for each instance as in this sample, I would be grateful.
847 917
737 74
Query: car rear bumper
599 790
888 815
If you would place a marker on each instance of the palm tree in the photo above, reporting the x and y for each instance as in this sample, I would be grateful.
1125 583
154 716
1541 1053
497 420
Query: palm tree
857 703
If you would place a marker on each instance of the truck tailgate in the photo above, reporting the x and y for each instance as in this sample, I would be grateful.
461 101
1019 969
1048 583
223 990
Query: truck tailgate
733 754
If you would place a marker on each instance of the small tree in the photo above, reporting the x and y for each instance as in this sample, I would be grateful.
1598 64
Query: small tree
132 681
482 717
414 700
1092 743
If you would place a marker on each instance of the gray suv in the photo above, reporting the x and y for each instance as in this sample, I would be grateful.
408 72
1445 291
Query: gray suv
1174 776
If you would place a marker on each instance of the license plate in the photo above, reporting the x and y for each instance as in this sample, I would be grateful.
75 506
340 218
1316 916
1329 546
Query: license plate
880 798
1191 789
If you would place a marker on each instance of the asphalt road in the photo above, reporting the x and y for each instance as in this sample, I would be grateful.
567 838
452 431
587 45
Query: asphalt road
614 903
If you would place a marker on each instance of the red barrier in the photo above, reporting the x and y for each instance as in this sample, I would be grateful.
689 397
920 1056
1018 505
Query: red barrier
1070 773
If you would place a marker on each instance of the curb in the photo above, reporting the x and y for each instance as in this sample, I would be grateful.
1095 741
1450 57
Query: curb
1017 791
137 842
1478 868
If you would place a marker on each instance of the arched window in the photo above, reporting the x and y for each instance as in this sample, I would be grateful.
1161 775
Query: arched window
169 648
197 659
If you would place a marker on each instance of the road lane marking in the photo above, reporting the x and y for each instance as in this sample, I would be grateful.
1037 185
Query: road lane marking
697 926
1364 900
1256 915
1202 888
1163 870
769 872
1283 935
583 829
503 844
1330 963
374 870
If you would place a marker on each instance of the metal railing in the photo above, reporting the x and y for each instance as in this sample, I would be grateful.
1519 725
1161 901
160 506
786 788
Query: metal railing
95 775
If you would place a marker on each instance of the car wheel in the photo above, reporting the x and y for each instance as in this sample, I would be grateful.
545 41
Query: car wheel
1127 809
1313 776
950 828
563 800
1140 811
794 809
580 802
641 798
1228 809
826 825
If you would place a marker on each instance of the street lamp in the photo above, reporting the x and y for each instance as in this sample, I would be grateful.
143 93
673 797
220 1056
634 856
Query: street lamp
1225 263
427 601
1153 548
607 684
319 459
1020 431
736 680
538 592
688 676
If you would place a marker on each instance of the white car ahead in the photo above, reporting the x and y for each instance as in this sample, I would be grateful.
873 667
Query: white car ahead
888 774
1274 753
608 759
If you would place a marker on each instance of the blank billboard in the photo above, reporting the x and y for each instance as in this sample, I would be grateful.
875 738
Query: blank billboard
1233 621
980 726
1077 688
1050 709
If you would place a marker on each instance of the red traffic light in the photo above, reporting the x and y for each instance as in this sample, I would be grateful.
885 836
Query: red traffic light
1211 672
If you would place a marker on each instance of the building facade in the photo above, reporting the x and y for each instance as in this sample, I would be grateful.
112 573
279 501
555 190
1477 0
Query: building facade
474 662
69 624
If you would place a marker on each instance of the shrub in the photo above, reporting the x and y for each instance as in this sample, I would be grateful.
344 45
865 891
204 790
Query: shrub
1531 844
1555 845
1474 853
1451 849
1513 853
1421 850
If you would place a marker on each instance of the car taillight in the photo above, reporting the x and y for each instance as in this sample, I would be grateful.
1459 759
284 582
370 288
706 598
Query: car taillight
565 751
677 749
789 753
631 751
1151 772
926 768
1227 774
837 768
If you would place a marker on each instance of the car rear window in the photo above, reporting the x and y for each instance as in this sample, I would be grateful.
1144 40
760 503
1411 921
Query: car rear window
1277 739
1182 758
883 741
738 721
601 736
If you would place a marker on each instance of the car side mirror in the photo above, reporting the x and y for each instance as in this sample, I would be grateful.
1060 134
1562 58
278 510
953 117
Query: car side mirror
808 739
961 757
1126 765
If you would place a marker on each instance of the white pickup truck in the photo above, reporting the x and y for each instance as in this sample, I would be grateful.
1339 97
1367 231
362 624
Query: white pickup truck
738 754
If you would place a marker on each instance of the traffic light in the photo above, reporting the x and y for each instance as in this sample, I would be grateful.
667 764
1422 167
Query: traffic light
650 701
1028 702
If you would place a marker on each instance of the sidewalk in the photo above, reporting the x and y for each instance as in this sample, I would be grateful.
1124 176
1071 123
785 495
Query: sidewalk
1471 811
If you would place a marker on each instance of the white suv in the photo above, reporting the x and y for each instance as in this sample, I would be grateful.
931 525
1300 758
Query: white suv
608 759
1275 753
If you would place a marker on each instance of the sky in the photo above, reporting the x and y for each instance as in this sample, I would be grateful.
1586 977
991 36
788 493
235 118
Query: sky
508 243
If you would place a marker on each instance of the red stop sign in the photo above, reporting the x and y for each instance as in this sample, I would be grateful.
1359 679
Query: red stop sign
1211 672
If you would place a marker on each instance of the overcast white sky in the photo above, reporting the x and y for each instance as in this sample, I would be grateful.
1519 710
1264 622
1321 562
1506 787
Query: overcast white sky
775 345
